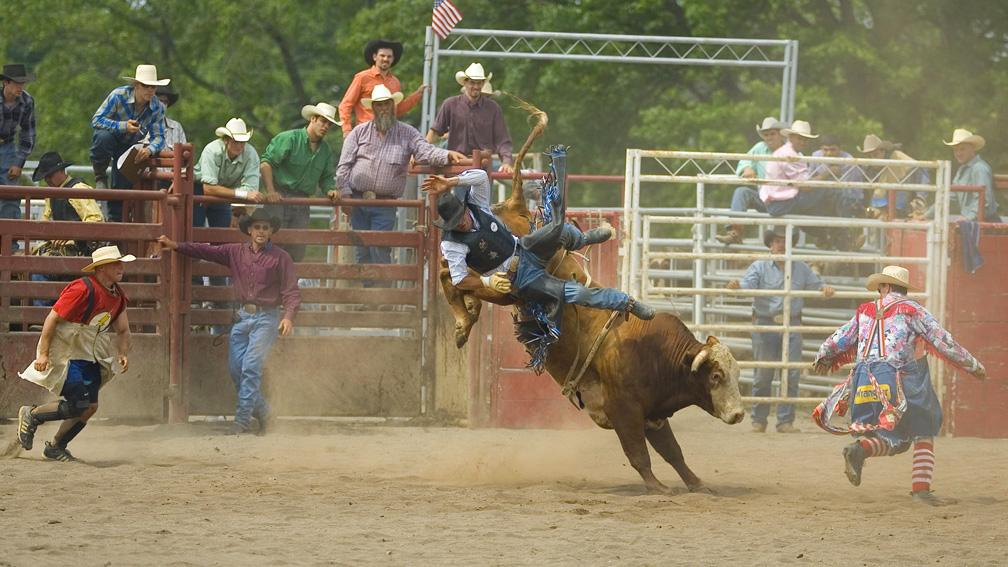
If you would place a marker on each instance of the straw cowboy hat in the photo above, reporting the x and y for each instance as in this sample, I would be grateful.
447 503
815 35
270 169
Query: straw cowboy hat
147 75
770 123
50 163
780 231
894 275
107 255
873 142
258 214
374 45
381 93
17 74
169 93
322 109
234 129
961 136
474 72
800 127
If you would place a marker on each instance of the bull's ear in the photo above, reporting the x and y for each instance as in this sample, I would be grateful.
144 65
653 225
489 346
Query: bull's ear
712 340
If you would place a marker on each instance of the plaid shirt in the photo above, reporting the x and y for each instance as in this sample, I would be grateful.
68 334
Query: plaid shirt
119 107
370 163
22 113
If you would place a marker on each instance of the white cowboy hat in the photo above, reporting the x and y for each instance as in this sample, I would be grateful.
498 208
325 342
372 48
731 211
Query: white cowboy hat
800 127
107 255
474 72
770 123
380 93
961 136
322 109
894 275
234 129
147 75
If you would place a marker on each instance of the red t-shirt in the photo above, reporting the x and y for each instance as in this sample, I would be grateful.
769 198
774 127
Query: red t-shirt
73 302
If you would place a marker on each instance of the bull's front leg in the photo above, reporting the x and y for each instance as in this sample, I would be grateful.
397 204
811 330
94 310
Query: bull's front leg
628 421
664 441
465 309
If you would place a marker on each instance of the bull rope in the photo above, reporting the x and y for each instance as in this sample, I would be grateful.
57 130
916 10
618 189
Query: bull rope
570 386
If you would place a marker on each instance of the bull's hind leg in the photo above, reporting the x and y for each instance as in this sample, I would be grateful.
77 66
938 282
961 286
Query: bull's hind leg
628 422
664 441
464 307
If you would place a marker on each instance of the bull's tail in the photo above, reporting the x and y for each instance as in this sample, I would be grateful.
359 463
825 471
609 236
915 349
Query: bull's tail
541 119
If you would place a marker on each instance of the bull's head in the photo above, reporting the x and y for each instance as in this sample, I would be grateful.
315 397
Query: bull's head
715 364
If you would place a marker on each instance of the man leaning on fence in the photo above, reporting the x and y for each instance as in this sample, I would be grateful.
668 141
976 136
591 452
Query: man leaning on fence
17 120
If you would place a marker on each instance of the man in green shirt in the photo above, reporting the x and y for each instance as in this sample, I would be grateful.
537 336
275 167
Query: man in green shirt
297 163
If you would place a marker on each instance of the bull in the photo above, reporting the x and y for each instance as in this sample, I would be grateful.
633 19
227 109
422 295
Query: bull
628 375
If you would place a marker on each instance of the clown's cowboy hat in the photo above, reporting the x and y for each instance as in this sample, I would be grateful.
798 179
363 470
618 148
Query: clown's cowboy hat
800 127
893 275
147 75
381 93
374 45
107 255
322 109
474 72
961 136
234 129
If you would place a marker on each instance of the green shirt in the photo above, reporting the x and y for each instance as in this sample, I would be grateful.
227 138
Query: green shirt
296 167
216 168
760 149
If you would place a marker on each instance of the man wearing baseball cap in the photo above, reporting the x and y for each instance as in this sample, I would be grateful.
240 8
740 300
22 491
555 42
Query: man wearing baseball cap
18 117
74 356
893 402
381 55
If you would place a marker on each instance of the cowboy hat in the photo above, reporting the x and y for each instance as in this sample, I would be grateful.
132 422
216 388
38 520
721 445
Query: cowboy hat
167 92
50 163
961 136
258 214
873 142
147 75
451 208
322 109
770 123
234 129
374 45
894 275
780 231
107 255
380 93
17 74
800 127
474 72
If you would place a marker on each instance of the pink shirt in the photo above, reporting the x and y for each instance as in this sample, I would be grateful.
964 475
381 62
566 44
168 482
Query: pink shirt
790 170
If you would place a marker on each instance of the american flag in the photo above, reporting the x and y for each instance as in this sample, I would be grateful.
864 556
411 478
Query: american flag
446 15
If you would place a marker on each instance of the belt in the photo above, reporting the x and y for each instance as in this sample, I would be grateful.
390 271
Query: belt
253 308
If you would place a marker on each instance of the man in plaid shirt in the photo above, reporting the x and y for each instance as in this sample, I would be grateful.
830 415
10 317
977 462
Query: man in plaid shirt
373 165
17 110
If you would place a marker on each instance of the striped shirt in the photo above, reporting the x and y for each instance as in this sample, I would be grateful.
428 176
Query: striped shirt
119 107
265 278
455 252
21 113
370 163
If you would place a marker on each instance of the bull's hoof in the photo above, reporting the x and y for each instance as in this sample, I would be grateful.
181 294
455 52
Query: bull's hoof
702 489
461 339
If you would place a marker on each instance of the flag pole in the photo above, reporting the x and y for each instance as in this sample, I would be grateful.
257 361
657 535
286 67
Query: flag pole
426 114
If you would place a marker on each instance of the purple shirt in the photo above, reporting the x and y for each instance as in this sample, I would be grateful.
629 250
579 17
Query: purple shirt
370 163
478 126
265 278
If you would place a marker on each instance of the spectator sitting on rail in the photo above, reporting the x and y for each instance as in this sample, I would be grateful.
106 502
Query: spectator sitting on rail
373 165
16 120
767 346
174 133
875 148
472 120
52 169
266 287
973 170
848 200
744 197
882 338
382 55
297 163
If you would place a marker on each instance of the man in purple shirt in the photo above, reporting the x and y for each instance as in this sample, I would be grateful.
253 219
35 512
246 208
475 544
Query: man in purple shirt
373 165
266 287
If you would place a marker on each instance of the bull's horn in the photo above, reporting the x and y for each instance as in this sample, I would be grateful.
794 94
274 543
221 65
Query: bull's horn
700 358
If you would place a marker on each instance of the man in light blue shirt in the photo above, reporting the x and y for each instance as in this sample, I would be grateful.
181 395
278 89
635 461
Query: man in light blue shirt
227 168
746 197
973 170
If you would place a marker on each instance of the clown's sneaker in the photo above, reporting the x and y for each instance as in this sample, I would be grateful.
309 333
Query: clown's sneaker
26 427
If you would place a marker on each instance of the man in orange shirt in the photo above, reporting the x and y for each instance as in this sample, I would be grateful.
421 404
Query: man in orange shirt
382 55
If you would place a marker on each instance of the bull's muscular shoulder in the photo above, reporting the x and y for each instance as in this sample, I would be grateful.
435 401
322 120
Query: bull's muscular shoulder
514 214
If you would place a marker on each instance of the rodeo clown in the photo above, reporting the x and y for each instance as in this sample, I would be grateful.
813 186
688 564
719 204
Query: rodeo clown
888 392
472 237
74 355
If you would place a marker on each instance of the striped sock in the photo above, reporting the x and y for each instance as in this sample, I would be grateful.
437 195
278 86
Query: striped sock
923 465
875 447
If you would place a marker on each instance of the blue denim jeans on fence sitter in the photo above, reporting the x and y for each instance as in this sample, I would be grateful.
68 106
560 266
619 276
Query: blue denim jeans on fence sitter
106 147
251 339
372 218
745 198
767 347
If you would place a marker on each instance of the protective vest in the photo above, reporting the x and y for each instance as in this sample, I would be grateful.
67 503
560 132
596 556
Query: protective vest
489 246
62 210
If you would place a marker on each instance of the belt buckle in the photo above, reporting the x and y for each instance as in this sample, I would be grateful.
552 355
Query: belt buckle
513 264
250 308
778 319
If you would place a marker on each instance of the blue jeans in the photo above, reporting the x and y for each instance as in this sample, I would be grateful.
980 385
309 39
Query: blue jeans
9 208
291 216
373 218
251 340
218 214
106 147
767 347
42 302
745 198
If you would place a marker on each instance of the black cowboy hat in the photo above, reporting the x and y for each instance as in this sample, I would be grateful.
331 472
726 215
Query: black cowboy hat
167 91
451 208
375 44
17 74
781 231
50 163
258 214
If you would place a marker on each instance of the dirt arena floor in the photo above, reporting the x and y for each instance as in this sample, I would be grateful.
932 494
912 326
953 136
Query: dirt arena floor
338 493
